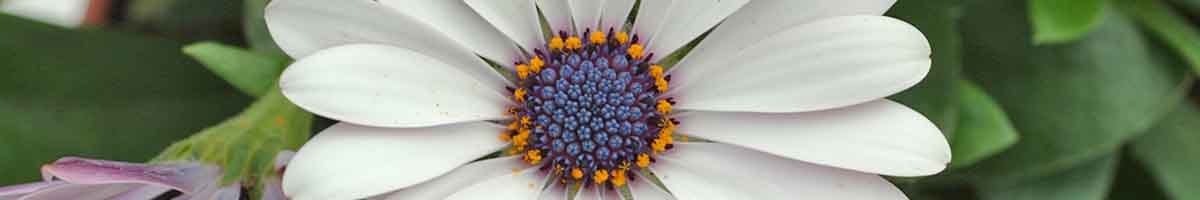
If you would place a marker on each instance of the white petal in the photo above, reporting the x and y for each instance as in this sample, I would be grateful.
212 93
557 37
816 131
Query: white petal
821 65
686 20
82 191
588 193
524 184
387 86
642 188
761 18
460 23
516 18
554 192
558 15
615 14
880 137
586 13
351 162
651 16
721 171
467 175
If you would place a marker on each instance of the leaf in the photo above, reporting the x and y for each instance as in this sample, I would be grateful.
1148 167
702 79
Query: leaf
254 24
935 96
1061 21
186 20
1087 181
983 129
1071 103
1134 183
1172 27
1190 6
1168 152
252 73
97 94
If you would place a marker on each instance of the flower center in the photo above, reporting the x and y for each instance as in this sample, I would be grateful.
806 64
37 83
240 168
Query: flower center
590 110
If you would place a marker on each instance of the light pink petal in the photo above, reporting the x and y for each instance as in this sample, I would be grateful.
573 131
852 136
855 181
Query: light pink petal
17 191
517 19
385 86
348 161
721 171
880 137
826 64
82 191
185 177
273 185
145 192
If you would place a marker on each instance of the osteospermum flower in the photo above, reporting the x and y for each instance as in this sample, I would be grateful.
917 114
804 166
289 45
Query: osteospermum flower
86 179
779 99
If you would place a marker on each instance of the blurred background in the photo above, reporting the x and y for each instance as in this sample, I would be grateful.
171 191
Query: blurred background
1040 99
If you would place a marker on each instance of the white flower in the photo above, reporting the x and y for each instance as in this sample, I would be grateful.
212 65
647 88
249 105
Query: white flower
787 96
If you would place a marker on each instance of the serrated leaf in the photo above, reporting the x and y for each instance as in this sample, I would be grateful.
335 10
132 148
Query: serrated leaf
1087 181
251 72
1071 103
1061 21
97 94
1169 150
935 96
983 129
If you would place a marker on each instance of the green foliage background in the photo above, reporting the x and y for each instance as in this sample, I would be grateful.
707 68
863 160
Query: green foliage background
1040 99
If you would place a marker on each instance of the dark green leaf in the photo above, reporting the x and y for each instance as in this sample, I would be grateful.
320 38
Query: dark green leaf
253 73
1061 21
1169 152
1071 103
1172 27
983 129
187 20
97 94
935 96
1134 183
1087 181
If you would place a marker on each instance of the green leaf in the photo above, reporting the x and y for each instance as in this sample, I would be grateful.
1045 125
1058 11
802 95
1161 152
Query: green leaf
255 25
97 94
983 129
1190 6
253 73
935 96
1181 35
1061 21
1169 150
186 20
1087 181
245 146
1071 103
1134 183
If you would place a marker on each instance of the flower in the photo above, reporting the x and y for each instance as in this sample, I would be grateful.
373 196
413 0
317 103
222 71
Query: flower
778 98
80 178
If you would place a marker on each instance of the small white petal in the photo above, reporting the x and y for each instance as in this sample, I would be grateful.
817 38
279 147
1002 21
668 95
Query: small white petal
642 188
516 18
721 171
762 18
350 162
467 175
460 23
821 65
615 14
558 15
586 13
686 20
880 137
385 86
525 184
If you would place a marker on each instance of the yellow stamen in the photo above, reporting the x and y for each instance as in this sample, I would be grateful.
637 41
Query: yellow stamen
661 84
526 121
522 71
533 156
513 126
536 64
643 160
600 176
505 137
622 37
658 145
521 139
656 71
519 95
556 43
635 51
574 43
664 106
618 178
598 37
576 173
